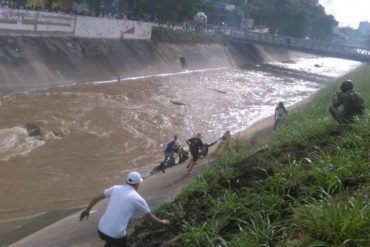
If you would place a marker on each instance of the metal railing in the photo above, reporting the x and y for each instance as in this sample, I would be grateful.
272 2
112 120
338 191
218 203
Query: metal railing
312 46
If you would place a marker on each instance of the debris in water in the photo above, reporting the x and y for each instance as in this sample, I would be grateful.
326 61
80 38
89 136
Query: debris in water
218 91
177 102
33 129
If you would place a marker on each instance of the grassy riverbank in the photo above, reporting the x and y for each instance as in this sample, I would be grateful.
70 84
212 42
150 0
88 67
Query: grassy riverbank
308 186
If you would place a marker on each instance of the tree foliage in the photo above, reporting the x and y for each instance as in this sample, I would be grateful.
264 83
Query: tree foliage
291 17
321 24
170 10
285 17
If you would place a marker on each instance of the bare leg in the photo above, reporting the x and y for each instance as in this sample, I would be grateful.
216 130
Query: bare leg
277 122
190 161
191 165
162 167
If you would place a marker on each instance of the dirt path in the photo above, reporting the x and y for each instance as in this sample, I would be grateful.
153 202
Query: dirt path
155 189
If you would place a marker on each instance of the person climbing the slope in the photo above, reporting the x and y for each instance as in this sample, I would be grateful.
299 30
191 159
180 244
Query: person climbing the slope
170 149
195 143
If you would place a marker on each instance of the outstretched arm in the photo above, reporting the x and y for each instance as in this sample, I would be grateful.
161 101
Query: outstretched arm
188 142
154 218
213 143
85 214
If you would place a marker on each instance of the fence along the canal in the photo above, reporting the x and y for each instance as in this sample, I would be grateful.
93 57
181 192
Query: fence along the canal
312 46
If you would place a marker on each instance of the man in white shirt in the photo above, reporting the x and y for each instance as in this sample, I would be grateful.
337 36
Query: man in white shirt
124 202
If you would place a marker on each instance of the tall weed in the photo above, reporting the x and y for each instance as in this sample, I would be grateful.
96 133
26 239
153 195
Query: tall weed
338 222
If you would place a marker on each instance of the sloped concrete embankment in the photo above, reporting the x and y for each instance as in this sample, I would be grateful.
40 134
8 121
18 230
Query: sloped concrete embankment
28 63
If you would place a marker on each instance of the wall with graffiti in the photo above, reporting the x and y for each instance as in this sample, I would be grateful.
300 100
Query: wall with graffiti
35 23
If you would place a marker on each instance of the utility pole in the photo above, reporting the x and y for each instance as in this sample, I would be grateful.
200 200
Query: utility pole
244 16
134 9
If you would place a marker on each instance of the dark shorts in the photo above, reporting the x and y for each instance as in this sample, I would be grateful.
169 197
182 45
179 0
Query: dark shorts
195 155
112 242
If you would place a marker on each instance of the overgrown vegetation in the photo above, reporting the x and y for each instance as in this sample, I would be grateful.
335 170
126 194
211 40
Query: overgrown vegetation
289 17
297 18
309 186
168 35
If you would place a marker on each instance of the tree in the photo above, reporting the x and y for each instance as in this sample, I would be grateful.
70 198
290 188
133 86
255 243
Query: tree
261 11
291 17
163 10
94 6
170 10
68 4
49 4
321 24
188 9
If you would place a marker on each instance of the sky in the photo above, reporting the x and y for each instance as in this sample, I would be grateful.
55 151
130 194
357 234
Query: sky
348 12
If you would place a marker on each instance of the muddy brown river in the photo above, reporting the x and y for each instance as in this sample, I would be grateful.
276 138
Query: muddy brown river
91 134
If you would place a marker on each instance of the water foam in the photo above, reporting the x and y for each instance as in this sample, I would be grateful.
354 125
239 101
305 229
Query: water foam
16 141
158 75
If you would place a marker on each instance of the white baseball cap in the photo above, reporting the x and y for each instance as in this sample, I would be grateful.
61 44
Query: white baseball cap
134 178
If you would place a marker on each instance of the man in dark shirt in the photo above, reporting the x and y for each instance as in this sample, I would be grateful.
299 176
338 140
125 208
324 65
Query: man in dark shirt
195 143
170 148
351 103
280 113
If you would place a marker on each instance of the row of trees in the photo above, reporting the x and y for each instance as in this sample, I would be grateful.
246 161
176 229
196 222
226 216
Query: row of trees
286 17
48 4
162 10
171 11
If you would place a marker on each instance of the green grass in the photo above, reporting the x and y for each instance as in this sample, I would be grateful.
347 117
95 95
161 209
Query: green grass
340 222
309 186
312 120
